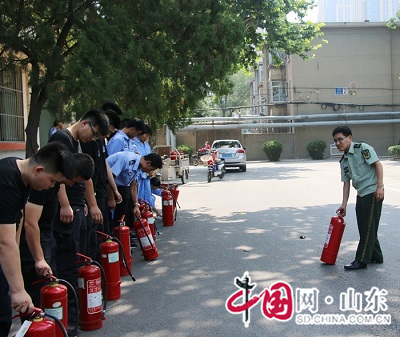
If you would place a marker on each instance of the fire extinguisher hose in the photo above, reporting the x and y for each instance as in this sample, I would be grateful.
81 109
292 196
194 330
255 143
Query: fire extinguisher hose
113 238
69 285
37 312
121 249
88 260
148 238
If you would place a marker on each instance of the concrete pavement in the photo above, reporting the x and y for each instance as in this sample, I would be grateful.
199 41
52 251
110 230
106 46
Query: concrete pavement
252 222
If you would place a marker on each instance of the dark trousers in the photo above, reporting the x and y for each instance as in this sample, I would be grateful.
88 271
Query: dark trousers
5 306
94 239
67 239
28 265
368 212
124 208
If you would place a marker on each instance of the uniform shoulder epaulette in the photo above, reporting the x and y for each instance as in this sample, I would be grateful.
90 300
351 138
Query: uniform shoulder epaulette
357 145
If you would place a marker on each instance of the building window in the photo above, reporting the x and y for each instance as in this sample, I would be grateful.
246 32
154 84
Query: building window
11 106
260 74
277 92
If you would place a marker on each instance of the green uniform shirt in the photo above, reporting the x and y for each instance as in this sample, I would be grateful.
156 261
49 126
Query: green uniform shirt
356 165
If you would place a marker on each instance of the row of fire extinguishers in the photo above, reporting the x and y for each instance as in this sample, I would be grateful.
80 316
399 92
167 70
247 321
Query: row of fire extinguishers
98 282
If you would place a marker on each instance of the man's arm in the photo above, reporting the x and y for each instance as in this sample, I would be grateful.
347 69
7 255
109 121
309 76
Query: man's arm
33 213
94 210
66 212
379 193
112 187
346 194
133 190
11 266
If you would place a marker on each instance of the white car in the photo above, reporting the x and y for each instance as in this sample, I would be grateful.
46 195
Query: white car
232 152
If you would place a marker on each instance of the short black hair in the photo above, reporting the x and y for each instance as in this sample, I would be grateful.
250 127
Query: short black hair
136 123
56 122
147 130
97 118
155 159
114 119
111 106
83 166
155 181
54 157
342 129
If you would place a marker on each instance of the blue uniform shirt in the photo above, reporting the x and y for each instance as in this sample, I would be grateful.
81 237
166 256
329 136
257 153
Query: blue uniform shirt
124 166
120 142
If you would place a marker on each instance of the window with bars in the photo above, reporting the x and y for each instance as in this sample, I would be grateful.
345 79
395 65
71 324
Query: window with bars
11 105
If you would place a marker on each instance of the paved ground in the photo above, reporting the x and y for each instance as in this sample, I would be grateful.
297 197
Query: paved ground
253 222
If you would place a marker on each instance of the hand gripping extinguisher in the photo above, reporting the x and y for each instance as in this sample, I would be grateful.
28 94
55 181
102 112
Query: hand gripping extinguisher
91 306
123 234
54 301
40 326
145 238
333 239
167 208
109 260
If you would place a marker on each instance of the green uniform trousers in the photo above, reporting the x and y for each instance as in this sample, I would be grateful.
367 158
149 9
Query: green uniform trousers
368 212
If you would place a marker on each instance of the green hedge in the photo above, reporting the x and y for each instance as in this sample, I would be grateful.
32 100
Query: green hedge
316 149
273 149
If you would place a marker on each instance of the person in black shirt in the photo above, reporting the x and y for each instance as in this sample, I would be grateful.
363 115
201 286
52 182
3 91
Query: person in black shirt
103 182
70 229
51 164
36 242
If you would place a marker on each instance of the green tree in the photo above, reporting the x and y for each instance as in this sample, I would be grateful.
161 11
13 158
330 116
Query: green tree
155 58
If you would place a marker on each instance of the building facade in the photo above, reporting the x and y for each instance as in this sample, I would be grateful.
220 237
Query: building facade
357 10
354 80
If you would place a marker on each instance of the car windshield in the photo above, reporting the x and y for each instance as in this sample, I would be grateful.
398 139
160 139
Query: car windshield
227 144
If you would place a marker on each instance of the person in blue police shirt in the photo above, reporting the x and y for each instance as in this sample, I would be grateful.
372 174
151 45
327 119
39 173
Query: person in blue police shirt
143 148
361 165
126 166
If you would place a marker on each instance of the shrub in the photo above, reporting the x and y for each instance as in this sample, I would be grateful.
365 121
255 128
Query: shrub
316 149
186 149
272 149
394 151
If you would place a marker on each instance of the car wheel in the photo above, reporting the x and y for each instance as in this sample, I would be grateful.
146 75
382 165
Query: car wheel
243 168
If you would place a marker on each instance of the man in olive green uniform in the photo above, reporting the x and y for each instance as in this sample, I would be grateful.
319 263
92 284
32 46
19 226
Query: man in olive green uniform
361 165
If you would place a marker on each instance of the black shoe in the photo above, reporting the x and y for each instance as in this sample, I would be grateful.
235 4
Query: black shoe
355 265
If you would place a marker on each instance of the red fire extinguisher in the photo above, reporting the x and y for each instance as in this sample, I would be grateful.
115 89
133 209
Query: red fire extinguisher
54 301
123 234
40 326
147 214
175 194
145 238
109 260
167 208
91 308
333 239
